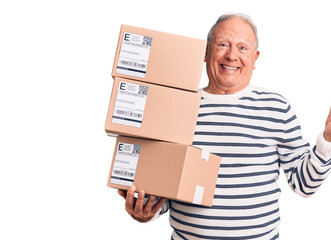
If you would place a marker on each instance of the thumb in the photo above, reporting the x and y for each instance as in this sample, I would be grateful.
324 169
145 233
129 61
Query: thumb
327 132
328 120
122 193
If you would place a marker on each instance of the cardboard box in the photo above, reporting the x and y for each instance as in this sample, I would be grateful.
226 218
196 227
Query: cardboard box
159 57
164 169
151 111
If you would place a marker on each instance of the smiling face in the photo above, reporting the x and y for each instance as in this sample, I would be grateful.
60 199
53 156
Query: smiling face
231 57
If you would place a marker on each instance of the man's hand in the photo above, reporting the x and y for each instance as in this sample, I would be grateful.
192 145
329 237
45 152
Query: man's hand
327 132
135 206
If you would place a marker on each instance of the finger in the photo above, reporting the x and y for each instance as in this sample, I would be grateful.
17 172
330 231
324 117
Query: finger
158 205
140 203
123 193
327 132
149 204
129 203
329 117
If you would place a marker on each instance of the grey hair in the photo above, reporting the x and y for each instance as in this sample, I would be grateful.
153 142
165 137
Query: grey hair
242 16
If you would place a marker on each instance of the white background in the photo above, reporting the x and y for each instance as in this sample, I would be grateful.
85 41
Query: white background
55 71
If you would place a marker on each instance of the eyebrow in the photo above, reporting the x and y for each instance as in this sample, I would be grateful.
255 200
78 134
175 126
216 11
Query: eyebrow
243 41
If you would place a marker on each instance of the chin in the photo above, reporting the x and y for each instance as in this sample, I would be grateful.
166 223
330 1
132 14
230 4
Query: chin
229 82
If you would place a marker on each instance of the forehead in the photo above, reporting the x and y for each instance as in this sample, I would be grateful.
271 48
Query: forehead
234 29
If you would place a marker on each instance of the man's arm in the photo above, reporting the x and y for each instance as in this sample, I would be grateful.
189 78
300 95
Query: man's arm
137 208
305 170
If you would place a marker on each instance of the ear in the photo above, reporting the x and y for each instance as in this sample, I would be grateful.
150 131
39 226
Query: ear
205 60
257 54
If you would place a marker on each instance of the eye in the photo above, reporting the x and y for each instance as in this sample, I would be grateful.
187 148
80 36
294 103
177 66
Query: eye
243 48
222 45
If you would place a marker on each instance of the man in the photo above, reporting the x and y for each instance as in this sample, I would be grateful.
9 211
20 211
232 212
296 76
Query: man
256 132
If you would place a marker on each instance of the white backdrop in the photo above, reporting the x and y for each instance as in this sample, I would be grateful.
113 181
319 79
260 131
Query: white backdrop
55 71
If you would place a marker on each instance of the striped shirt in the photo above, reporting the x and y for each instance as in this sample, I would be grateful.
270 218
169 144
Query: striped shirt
256 133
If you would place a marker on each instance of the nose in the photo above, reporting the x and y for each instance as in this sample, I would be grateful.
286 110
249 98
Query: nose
231 54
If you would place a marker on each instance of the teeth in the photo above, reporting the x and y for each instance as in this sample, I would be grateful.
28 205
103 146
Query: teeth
228 67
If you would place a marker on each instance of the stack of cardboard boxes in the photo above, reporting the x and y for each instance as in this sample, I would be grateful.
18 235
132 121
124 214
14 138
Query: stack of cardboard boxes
153 110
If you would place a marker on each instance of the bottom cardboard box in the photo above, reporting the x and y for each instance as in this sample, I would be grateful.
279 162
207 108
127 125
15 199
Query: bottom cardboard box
170 170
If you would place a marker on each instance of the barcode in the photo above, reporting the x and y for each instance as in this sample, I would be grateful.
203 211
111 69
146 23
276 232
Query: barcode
128 113
136 149
147 41
132 64
143 90
124 173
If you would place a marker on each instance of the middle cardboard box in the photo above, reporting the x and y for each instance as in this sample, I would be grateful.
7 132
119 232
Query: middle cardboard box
152 111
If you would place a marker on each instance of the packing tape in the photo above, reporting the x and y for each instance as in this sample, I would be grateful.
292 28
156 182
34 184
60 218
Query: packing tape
198 195
112 135
205 155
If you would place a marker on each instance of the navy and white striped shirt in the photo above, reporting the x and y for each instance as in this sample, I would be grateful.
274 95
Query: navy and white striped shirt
255 132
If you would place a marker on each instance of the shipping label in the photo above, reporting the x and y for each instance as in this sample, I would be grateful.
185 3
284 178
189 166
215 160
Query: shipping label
130 104
125 164
134 54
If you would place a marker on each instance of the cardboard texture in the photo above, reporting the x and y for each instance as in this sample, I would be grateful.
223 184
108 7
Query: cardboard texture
164 169
151 111
159 57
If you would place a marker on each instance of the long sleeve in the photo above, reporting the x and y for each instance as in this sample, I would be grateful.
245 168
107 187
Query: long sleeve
304 168
163 209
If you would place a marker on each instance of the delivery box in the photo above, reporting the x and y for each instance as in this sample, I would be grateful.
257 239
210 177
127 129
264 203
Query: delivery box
170 170
159 57
151 111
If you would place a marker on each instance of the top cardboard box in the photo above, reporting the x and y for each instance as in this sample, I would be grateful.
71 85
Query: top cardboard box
158 57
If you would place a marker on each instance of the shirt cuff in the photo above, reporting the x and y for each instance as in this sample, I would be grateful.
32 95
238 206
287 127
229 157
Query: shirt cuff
157 214
323 146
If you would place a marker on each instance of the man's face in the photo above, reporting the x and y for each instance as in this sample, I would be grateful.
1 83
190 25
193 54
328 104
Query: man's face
231 55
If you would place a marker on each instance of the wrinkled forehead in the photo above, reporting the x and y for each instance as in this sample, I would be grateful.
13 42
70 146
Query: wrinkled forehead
236 30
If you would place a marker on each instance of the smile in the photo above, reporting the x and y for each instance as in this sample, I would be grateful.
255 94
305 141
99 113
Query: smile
228 67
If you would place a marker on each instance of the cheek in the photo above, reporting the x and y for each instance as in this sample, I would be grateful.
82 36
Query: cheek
213 62
249 63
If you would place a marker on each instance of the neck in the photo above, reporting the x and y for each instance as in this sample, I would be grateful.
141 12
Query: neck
221 90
